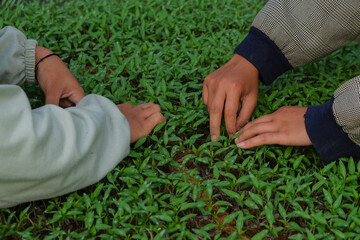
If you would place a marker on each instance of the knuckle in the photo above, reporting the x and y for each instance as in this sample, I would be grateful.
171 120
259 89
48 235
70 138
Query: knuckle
230 114
214 109
283 108
231 84
264 138
208 78
214 130
157 108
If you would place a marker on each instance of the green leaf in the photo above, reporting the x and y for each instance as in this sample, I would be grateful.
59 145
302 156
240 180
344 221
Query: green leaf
187 217
319 218
140 142
342 169
310 236
282 211
240 221
260 235
98 190
254 181
162 217
296 227
208 227
297 162
166 137
89 219
232 194
327 196
269 213
351 166
288 152
192 205
216 172
338 233
256 198
337 202
318 185
230 217
159 127
251 204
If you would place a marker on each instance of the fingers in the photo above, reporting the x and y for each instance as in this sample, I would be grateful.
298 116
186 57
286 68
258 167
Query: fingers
247 108
286 126
146 105
231 108
150 110
254 129
261 131
65 103
262 119
153 120
215 109
205 94
77 96
261 139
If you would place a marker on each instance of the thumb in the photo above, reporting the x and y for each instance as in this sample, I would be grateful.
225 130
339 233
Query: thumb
76 97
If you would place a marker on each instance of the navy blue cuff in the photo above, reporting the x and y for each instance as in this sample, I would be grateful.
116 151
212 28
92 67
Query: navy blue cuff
264 54
328 138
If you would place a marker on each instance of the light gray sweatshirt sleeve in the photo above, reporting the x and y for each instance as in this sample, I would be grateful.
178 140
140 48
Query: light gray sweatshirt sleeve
51 151
17 57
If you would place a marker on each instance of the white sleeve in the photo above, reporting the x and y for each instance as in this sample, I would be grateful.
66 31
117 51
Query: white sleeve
52 151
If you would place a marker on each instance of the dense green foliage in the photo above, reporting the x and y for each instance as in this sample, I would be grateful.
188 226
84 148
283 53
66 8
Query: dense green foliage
175 184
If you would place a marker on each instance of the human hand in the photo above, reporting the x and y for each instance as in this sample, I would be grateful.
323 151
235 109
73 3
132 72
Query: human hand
286 126
142 118
234 83
55 79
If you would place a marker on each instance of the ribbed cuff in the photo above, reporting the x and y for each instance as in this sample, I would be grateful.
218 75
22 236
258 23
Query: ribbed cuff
264 54
328 138
30 46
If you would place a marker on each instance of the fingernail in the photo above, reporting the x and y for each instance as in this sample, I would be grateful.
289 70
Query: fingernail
241 144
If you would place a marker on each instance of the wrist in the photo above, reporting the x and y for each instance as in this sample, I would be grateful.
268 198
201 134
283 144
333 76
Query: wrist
246 66
41 52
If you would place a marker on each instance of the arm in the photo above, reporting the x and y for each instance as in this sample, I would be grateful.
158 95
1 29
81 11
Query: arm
51 151
284 35
18 56
288 34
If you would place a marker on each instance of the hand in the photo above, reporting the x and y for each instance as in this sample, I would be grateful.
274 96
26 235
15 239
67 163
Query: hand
59 85
286 126
142 118
234 83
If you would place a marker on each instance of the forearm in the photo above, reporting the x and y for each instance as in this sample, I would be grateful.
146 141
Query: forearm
288 34
51 151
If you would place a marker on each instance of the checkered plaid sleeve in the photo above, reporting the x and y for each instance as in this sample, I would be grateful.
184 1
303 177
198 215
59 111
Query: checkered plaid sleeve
346 108
308 30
